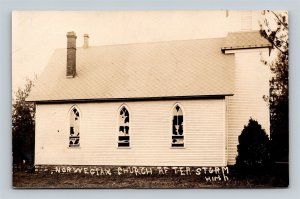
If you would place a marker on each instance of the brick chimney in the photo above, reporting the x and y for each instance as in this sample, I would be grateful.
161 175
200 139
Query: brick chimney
86 41
71 54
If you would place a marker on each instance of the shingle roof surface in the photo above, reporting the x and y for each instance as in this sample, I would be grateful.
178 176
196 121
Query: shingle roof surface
238 40
149 70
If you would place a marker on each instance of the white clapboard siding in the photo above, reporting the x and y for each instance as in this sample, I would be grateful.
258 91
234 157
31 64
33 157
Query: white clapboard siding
246 20
150 134
251 84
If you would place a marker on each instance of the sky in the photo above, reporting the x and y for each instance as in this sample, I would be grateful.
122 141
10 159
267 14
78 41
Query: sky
36 34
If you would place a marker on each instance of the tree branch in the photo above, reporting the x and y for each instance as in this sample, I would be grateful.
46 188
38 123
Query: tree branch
279 20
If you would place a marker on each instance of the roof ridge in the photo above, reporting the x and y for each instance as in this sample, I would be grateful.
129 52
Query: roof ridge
157 42
170 41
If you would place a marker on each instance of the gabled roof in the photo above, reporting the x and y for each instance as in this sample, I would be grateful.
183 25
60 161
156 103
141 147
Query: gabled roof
242 40
188 68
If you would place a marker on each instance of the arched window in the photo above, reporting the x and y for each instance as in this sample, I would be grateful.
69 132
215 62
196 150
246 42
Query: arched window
177 127
123 137
74 118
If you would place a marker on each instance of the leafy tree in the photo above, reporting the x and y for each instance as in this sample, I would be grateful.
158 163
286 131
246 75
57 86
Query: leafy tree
23 124
253 149
275 30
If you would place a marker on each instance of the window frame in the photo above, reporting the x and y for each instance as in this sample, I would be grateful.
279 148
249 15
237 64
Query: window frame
118 127
183 128
69 125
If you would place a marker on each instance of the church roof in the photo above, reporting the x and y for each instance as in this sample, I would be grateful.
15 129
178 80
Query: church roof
187 68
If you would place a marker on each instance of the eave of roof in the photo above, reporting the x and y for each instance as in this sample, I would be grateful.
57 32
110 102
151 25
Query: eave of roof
133 99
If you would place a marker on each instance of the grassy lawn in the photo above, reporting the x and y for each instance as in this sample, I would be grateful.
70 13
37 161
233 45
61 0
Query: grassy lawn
25 179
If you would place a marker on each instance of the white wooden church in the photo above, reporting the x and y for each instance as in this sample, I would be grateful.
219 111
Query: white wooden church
173 103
